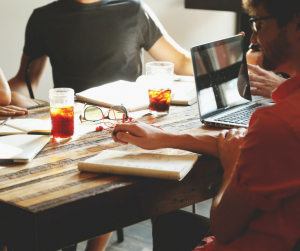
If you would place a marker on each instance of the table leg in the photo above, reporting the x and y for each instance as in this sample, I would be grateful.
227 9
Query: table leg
120 235
194 209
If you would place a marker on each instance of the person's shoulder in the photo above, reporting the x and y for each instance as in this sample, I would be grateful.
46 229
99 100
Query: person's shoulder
46 9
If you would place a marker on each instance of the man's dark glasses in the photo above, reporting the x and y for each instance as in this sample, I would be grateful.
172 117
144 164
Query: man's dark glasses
256 23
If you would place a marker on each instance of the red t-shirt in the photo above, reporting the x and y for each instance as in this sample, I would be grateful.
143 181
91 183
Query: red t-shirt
268 174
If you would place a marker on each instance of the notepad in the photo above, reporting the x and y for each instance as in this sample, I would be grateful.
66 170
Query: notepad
172 167
183 93
21 148
26 126
183 89
132 95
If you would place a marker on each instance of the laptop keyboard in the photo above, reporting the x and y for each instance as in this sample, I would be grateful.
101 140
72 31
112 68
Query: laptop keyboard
241 116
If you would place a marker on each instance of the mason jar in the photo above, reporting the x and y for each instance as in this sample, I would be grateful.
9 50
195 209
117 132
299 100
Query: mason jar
62 112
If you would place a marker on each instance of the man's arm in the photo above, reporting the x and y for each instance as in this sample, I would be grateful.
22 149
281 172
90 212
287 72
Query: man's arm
230 214
18 83
166 49
150 138
264 81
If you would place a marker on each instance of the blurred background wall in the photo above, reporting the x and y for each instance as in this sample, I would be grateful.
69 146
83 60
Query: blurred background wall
187 27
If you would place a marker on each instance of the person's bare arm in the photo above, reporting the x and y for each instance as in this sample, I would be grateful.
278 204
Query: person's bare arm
150 138
230 214
166 49
264 81
5 99
5 95
18 83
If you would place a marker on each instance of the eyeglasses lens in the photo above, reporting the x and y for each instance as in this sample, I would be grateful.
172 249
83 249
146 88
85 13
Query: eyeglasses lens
115 114
256 26
93 113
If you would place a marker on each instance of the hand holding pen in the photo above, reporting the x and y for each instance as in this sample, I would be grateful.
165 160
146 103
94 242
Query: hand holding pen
140 134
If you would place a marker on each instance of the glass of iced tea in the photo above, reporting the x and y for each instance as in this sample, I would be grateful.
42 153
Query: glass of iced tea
62 112
159 79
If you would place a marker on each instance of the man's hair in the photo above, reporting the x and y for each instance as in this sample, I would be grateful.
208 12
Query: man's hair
284 10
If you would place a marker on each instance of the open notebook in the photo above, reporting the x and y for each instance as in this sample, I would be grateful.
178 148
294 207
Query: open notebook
172 167
26 126
134 95
21 148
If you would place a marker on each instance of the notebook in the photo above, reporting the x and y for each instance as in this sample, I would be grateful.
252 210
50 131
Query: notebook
132 95
222 83
173 167
21 148
26 126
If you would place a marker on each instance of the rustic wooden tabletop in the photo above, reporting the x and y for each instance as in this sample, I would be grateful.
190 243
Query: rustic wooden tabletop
47 204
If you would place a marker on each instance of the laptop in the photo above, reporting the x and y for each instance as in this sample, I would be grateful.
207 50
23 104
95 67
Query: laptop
222 83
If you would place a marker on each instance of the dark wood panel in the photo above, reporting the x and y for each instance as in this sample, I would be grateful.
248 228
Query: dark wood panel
224 5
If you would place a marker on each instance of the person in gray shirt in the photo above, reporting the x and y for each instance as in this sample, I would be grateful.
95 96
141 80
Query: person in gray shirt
90 43
93 42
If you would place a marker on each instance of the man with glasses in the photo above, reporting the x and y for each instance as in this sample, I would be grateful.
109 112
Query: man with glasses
258 204
264 82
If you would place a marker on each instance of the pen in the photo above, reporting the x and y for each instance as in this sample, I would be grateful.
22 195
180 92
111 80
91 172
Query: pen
4 122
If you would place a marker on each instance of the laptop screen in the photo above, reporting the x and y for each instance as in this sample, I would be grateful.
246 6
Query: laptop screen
221 75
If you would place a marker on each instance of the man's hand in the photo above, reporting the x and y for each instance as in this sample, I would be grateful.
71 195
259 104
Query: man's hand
254 57
10 110
264 81
139 134
229 144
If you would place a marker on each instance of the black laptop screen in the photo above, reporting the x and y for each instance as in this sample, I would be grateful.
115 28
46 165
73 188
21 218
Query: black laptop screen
221 75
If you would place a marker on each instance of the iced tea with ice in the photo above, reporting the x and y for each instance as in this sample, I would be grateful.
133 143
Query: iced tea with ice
160 100
62 119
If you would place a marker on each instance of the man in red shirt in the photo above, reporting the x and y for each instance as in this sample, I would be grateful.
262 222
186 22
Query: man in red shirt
258 205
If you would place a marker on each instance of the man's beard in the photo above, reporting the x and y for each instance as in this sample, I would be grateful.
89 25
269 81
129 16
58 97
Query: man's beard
279 51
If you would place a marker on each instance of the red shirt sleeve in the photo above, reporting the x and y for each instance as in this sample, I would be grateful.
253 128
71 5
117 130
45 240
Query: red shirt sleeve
268 170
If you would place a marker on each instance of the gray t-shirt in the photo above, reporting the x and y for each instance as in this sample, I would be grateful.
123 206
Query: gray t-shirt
92 44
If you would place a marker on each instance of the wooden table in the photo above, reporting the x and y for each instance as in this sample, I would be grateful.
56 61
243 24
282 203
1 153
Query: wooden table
48 204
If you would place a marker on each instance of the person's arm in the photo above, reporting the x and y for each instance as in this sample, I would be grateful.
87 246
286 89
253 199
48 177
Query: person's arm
150 138
264 81
5 95
5 99
230 214
166 49
18 83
